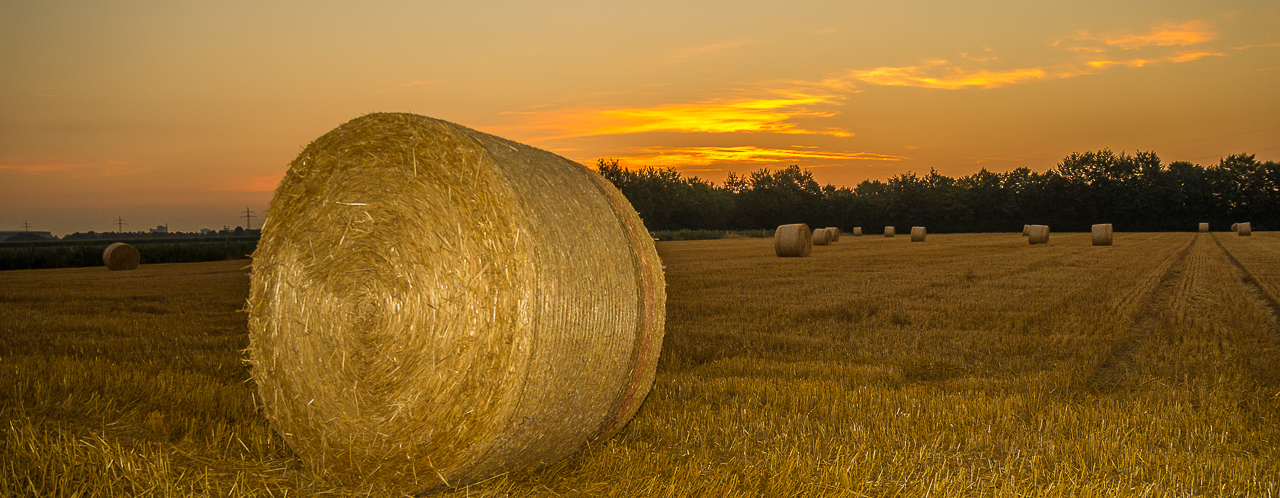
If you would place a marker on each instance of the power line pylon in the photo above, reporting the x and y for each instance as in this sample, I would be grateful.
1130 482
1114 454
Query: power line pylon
248 218
120 224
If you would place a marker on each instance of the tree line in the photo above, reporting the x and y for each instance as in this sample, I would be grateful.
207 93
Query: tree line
1133 192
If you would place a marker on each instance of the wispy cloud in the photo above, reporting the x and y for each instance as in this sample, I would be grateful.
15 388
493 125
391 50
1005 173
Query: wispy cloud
1263 45
774 111
108 168
711 48
662 157
940 74
1166 34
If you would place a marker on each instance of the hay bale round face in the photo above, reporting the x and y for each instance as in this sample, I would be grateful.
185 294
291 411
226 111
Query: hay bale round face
1101 234
121 256
917 234
1038 234
431 305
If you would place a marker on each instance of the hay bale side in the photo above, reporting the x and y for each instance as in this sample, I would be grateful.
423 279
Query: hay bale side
1204 227
917 234
835 233
423 315
121 256
822 237
1245 229
888 231
793 241
1038 234
857 231
1026 230
1102 234
1235 227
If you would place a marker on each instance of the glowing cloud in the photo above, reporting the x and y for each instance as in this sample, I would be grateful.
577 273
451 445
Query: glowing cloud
662 157
771 115
1164 35
953 78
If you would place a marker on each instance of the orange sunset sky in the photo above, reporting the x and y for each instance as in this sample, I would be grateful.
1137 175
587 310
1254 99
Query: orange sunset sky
186 113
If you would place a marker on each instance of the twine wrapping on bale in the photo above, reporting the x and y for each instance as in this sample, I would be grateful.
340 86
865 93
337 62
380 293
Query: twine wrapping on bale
1026 230
793 241
857 231
121 256
822 237
1204 227
431 305
1102 234
917 234
888 231
1245 229
1038 234
835 233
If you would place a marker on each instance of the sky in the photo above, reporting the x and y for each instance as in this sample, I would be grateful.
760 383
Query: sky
186 114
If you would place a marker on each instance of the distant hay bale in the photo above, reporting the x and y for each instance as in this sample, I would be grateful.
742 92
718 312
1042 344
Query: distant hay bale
1245 229
857 231
888 231
121 256
793 241
1235 227
822 237
1204 227
835 234
1038 234
1026 230
431 306
1102 234
917 234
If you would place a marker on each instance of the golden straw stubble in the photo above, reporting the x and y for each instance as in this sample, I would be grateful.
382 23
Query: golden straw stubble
793 241
431 306
121 256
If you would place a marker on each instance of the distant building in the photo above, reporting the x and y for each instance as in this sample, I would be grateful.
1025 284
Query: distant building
206 231
17 235
160 229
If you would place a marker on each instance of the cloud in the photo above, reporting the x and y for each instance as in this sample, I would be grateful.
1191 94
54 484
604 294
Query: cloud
951 77
662 157
1264 45
255 183
690 52
1167 34
102 169
772 113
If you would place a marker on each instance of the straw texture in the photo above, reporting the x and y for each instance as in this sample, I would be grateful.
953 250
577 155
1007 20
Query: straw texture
431 306
1026 230
857 231
1038 234
121 256
1102 234
835 233
917 234
1204 227
793 241
822 237
1244 229
888 231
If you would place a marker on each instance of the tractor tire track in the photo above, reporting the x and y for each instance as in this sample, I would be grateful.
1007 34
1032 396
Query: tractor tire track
1265 300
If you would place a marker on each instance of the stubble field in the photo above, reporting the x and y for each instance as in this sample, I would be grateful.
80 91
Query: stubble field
967 365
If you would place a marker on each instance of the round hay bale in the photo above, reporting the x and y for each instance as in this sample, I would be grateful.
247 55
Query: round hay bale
857 231
1245 229
888 231
1235 227
121 256
1204 227
793 241
1038 234
822 237
835 233
431 306
1102 234
917 234
1026 230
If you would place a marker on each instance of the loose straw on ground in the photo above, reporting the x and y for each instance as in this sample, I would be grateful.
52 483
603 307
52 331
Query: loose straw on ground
1102 234
917 234
1038 234
121 256
793 241
431 306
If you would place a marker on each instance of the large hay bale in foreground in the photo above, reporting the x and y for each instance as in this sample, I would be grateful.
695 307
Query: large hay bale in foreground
1204 227
793 241
889 231
431 306
1102 234
1038 234
857 231
822 237
835 233
121 256
917 234
1244 229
